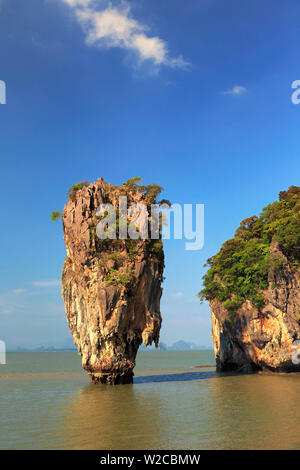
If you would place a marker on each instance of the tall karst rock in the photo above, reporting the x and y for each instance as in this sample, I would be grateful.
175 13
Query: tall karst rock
111 288
253 286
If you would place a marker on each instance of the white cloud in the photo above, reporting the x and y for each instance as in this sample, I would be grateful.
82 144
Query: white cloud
12 301
19 291
7 309
46 283
236 90
177 294
21 299
115 27
78 3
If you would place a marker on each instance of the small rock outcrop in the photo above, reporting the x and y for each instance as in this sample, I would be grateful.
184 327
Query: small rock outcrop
253 286
111 288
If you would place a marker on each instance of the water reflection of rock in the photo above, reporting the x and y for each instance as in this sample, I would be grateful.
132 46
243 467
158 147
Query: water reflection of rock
256 412
113 418
219 411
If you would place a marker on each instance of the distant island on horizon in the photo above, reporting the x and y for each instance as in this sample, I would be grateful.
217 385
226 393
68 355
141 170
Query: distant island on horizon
180 345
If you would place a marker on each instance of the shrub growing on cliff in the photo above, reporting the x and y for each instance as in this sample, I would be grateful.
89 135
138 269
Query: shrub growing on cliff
152 190
165 202
75 188
133 183
56 215
115 277
241 268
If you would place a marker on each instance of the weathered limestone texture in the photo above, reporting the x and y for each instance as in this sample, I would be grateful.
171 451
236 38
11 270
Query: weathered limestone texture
111 288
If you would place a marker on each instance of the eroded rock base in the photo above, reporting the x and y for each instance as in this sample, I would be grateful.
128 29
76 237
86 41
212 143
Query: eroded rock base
113 379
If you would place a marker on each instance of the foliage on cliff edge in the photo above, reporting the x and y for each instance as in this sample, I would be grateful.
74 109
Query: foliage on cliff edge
241 269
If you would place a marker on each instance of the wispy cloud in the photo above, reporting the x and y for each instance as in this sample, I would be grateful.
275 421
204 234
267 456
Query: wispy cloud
78 3
19 291
177 294
236 90
192 320
12 301
114 26
46 283
21 300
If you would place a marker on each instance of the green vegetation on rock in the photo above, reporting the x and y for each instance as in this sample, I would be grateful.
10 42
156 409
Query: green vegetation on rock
132 185
75 188
135 184
56 215
241 269
115 277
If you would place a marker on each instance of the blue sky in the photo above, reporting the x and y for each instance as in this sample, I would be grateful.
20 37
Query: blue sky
193 95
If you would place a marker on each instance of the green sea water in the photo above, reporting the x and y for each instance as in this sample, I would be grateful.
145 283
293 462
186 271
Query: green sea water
47 402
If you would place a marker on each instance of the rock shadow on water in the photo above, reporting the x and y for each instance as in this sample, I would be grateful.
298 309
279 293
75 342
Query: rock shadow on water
177 377
188 376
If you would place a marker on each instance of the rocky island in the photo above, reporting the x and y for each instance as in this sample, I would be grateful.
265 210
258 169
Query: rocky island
111 287
253 288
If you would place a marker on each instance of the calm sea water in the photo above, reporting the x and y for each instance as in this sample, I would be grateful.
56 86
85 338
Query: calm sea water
47 402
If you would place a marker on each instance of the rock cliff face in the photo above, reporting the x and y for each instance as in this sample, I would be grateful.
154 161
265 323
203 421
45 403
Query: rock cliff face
111 288
253 286
261 340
